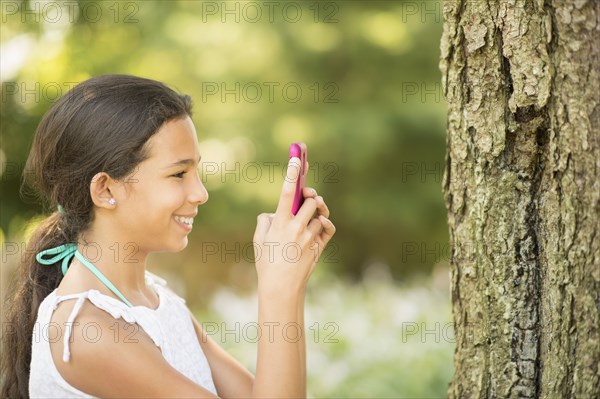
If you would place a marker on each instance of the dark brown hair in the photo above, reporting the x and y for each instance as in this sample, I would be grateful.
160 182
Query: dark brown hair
101 125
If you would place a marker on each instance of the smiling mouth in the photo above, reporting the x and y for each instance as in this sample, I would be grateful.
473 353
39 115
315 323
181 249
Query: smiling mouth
185 221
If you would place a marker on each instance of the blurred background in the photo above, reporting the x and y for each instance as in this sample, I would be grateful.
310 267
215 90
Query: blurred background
357 81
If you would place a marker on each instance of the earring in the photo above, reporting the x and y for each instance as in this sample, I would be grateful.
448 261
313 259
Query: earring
112 201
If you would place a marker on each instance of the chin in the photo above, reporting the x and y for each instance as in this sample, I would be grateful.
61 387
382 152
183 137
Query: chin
175 246
182 245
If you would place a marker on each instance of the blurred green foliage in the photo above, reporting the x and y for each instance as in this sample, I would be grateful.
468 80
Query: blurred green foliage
367 340
358 81
370 109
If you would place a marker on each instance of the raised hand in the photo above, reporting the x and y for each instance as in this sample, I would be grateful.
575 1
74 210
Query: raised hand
287 247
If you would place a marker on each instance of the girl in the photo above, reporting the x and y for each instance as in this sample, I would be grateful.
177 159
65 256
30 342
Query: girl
118 156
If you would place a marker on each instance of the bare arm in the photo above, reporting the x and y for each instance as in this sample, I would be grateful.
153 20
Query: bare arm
281 364
280 367
230 377
282 279
302 347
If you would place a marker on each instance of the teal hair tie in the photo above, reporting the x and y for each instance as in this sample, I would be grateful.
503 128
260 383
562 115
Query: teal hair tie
66 253
61 210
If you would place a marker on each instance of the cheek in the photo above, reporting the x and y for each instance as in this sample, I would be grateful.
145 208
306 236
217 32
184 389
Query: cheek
157 204
169 200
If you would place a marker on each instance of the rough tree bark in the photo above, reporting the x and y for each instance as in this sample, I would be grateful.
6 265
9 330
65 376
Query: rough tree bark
522 190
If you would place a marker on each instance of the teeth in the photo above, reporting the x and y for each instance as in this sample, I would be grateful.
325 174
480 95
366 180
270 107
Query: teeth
188 221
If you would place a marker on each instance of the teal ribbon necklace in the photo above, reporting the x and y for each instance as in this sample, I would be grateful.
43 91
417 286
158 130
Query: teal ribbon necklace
66 253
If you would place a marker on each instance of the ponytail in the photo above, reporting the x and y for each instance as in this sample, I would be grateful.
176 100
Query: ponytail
33 283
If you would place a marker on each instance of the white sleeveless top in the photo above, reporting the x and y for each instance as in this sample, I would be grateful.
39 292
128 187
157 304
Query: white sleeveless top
169 326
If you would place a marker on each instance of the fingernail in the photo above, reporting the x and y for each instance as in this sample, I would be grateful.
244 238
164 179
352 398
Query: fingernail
292 172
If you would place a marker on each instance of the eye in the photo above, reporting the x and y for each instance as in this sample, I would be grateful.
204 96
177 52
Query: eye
179 175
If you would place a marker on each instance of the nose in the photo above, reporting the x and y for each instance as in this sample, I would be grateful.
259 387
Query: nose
199 194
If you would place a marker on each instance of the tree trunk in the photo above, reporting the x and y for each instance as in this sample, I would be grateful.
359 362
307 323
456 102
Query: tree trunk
522 189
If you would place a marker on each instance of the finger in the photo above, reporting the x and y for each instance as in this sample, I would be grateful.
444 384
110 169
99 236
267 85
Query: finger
322 206
328 230
322 239
309 192
286 199
315 227
263 222
306 211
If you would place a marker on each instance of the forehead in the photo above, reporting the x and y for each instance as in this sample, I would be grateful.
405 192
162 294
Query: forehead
174 141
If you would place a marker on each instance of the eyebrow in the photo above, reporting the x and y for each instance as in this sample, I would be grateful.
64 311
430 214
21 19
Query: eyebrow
183 162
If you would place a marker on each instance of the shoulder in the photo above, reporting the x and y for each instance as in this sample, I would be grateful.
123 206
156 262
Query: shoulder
111 357
98 343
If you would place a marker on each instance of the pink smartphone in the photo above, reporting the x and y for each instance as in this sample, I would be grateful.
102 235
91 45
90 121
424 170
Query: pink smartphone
299 150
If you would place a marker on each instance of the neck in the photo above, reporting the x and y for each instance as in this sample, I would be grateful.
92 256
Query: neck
121 261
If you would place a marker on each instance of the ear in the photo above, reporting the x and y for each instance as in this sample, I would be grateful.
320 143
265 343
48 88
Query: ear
102 189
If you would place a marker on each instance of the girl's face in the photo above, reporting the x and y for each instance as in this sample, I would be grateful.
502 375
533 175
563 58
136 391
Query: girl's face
164 186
